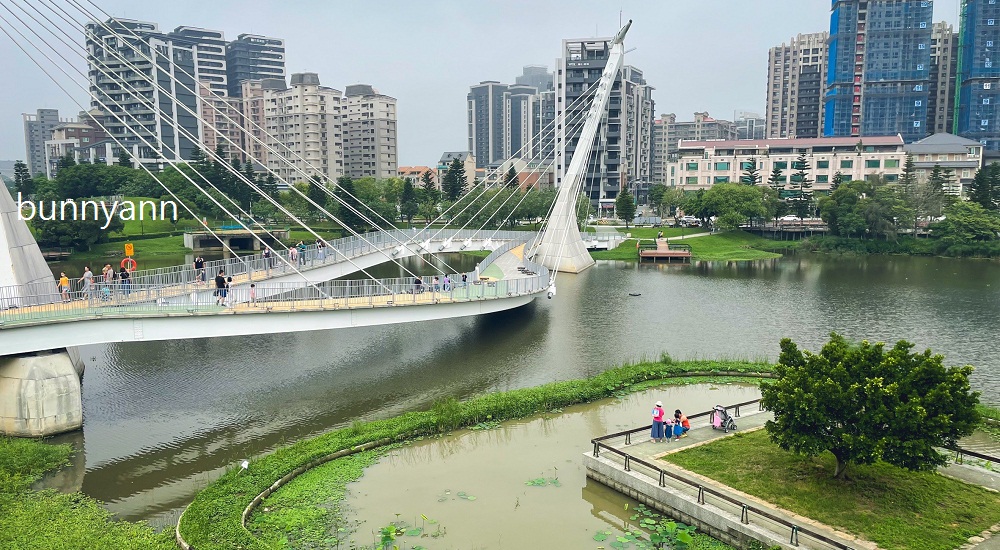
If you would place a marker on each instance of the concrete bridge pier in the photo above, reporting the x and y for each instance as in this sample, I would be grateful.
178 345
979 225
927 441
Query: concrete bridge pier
40 394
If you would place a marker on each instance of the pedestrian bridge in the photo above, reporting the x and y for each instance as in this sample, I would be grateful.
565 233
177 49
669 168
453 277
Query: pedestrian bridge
171 304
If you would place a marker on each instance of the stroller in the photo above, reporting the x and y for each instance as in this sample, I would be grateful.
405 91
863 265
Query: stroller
722 420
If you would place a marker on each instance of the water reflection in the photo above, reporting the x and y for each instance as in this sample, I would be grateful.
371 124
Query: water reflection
162 419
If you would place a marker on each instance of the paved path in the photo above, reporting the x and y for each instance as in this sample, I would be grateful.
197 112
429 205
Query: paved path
701 433
691 236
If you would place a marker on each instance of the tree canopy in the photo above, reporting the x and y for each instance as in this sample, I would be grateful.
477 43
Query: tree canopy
864 403
625 207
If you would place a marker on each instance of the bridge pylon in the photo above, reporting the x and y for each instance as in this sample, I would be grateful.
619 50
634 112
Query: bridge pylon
40 393
560 247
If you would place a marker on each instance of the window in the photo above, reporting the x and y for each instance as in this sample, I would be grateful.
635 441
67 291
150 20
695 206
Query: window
721 179
781 164
891 177
692 166
847 164
892 163
822 164
966 173
873 163
691 180
722 166
823 178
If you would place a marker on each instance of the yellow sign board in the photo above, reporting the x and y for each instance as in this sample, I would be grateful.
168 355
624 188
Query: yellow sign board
129 249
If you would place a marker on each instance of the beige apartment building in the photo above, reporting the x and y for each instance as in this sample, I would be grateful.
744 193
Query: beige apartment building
701 164
369 128
303 124
220 122
796 82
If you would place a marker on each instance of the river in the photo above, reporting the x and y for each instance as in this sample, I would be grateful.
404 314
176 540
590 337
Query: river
162 419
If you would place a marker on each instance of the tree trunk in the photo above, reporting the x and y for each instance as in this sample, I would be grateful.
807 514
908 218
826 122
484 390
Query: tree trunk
841 468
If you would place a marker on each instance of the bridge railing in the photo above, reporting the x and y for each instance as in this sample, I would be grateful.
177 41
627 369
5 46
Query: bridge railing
127 299
314 256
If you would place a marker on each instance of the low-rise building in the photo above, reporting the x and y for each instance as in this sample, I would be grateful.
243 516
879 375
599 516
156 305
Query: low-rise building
701 164
963 157
467 159
416 174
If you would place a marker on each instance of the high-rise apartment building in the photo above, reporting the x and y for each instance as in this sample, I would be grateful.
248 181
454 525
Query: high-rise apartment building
543 113
879 68
518 118
303 124
253 57
637 131
369 131
209 58
941 84
667 132
616 163
37 130
151 123
486 121
796 81
978 114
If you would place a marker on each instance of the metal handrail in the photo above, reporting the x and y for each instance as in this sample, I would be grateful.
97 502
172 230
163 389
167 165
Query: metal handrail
736 413
746 508
138 300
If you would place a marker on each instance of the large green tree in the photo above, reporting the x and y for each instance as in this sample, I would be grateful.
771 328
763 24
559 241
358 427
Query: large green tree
408 205
985 188
801 187
965 223
656 192
454 182
864 403
733 204
22 179
80 181
625 207
348 218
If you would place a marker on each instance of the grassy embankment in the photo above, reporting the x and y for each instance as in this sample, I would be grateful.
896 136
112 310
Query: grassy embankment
213 521
49 519
890 506
732 246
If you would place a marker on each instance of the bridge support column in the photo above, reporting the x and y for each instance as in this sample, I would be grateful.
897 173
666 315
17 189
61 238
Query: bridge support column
40 394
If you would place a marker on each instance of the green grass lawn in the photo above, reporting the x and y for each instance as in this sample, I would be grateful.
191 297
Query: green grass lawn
50 519
143 247
890 506
735 245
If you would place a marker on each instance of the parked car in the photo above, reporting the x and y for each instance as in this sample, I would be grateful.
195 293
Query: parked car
789 218
690 221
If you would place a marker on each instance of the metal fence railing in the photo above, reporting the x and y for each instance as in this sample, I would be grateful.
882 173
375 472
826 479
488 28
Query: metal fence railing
126 299
704 494
314 256
745 508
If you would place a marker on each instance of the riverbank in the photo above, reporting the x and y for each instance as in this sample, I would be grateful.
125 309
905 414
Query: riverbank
29 519
214 519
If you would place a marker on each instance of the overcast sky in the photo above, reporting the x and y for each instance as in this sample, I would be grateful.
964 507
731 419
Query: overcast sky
704 55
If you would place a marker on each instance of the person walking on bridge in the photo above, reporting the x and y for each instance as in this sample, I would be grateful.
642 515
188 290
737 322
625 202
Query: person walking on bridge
87 292
220 288
199 270
64 287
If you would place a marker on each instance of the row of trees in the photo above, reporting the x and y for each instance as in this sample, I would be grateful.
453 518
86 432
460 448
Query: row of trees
353 201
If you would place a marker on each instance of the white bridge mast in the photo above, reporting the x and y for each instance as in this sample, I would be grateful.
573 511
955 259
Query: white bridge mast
560 247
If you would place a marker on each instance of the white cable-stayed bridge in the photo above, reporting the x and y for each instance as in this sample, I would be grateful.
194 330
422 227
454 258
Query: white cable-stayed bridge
39 379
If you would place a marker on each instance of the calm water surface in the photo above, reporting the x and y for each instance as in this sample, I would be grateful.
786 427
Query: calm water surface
163 419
